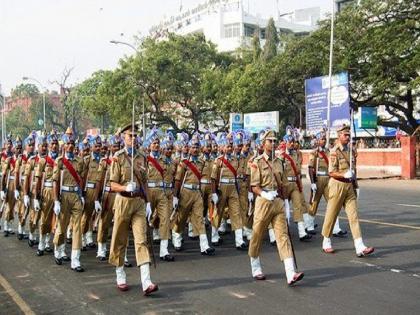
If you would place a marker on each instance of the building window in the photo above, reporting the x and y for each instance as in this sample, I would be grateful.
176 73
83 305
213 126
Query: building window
249 30
231 30
262 33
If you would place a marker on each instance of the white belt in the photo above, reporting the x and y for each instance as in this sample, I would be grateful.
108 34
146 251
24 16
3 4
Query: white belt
48 184
90 185
227 180
70 188
192 186
205 181
321 173
155 184
108 188
167 185
291 178
22 178
11 177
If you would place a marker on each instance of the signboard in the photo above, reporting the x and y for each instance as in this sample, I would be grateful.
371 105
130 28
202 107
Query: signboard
255 122
236 121
368 117
316 101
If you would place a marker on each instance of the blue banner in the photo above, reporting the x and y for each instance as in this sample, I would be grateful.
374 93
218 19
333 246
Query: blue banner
316 101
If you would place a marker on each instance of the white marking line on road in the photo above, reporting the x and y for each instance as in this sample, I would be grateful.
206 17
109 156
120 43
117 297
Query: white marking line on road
407 205
383 268
16 297
380 223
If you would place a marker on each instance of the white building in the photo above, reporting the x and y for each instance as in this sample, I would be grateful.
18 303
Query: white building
227 23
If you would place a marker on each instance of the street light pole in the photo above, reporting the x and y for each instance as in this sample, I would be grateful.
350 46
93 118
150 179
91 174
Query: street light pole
43 98
138 52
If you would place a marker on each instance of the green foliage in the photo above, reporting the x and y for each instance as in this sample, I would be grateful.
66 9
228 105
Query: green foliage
25 90
271 41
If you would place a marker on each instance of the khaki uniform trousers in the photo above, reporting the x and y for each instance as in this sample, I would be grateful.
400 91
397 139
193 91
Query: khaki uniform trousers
10 202
341 195
129 211
321 190
106 216
297 199
71 207
161 212
206 195
244 204
169 194
270 212
228 197
190 205
21 210
88 210
34 217
46 212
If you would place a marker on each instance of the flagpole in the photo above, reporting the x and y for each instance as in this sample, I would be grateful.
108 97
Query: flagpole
330 72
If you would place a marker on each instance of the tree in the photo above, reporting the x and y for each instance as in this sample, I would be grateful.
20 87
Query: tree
25 90
256 45
271 41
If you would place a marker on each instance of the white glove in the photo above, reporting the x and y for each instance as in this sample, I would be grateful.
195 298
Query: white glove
148 211
348 174
250 197
82 199
274 193
131 186
313 187
175 202
57 207
37 206
2 195
267 195
214 198
26 201
98 206
17 195
357 193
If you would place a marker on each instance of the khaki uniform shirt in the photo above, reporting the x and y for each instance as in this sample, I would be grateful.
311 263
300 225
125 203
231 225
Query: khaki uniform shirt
317 161
121 168
184 170
220 170
266 173
67 179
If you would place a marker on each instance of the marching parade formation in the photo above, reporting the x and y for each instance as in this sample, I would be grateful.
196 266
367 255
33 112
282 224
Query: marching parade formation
160 188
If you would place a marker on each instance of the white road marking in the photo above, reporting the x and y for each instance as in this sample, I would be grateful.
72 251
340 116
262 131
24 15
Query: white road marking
407 205
377 267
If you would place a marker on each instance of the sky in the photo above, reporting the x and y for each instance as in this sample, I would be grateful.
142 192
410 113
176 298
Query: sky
40 38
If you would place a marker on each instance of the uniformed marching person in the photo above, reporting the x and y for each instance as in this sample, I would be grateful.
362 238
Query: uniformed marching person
8 193
108 197
225 193
156 169
267 179
188 200
68 202
48 150
343 192
91 180
318 175
208 160
28 188
22 203
171 166
294 186
131 209
246 196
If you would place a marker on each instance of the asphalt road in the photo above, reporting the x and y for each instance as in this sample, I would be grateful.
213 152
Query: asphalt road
386 283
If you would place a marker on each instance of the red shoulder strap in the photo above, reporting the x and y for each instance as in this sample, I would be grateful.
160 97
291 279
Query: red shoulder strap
49 161
156 165
229 166
324 156
292 163
108 161
13 162
72 171
193 169
25 158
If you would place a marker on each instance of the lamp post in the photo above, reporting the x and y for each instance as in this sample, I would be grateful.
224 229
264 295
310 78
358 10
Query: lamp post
116 42
43 98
